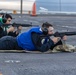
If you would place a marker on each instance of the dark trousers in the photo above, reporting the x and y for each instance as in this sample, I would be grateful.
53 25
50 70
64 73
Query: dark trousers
9 43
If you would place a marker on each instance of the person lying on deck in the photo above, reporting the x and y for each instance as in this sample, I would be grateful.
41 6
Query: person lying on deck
6 30
31 40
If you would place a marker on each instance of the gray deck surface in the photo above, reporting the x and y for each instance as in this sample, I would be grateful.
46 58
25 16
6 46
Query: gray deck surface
38 64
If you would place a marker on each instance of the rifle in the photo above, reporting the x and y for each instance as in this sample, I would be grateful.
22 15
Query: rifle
61 34
19 24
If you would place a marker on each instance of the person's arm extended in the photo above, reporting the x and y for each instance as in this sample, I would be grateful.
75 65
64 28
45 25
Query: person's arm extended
12 34
39 46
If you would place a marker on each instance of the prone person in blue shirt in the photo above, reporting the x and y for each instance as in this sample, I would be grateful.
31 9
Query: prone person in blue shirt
31 40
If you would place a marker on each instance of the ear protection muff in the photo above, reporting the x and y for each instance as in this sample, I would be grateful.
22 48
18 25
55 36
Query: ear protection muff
4 19
45 31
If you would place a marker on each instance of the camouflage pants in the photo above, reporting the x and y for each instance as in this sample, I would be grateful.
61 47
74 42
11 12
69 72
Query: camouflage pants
64 48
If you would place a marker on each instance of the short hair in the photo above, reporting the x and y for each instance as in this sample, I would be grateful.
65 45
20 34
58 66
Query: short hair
47 25
6 16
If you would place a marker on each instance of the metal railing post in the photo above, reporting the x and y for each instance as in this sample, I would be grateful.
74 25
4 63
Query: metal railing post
21 6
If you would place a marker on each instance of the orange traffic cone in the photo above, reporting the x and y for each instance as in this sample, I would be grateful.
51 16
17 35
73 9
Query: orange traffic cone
34 9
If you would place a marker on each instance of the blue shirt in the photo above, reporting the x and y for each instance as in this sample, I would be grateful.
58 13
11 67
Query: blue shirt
25 41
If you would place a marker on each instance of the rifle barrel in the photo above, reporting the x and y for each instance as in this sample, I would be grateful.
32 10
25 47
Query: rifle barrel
61 33
23 25
68 33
